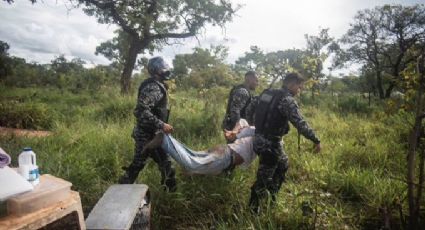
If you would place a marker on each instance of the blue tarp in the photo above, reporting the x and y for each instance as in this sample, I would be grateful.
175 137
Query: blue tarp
198 162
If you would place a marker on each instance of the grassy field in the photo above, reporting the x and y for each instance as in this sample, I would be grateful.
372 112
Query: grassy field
350 185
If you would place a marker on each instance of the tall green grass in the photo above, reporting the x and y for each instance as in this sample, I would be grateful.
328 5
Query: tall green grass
358 173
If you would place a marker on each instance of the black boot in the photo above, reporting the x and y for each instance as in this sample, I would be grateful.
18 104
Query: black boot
171 184
132 171
130 175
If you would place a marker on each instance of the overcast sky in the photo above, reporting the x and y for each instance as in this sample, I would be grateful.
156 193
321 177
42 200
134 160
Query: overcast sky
47 29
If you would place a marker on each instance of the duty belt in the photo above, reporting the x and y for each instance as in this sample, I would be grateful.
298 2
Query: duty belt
272 138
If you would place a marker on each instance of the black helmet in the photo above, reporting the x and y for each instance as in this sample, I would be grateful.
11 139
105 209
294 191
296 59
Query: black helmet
157 64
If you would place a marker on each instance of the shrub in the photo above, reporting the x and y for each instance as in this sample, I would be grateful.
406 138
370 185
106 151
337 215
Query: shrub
117 110
26 115
352 104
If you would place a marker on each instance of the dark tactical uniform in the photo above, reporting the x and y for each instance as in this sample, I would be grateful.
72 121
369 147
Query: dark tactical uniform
239 99
274 109
250 110
151 112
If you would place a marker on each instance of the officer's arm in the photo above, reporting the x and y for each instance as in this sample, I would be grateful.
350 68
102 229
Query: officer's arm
250 110
240 98
289 107
148 98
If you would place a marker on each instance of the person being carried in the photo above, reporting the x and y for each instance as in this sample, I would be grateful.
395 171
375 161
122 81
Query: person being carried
214 160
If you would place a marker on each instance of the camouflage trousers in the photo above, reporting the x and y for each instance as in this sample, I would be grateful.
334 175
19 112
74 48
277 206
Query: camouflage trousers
271 170
160 157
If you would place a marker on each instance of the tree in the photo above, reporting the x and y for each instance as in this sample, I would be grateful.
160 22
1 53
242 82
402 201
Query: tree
152 23
404 29
272 65
204 68
199 59
365 43
5 68
116 50
277 64
62 66
383 38
252 60
4 47
314 56
336 85
414 191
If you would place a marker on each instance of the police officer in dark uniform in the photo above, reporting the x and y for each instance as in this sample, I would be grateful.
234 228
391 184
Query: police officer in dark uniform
151 116
274 109
239 100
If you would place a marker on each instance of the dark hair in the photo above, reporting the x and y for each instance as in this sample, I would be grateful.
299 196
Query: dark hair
293 78
250 73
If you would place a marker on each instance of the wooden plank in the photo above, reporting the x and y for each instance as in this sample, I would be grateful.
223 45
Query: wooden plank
118 207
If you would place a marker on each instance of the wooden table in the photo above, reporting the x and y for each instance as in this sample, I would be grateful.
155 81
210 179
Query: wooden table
61 211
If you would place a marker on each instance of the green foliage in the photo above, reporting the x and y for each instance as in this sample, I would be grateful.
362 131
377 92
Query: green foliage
4 60
61 73
148 26
275 65
272 65
385 39
26 115
116 49
116 110
203 69
344 187
314 55
336 85
353 104
206 115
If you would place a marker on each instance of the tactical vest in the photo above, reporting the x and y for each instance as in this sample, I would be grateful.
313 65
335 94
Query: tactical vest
232 93
269 121
160 110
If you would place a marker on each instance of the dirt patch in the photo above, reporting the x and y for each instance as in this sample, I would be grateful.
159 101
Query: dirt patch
23 132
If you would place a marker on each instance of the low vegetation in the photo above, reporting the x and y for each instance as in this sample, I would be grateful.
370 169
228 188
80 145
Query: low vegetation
357 182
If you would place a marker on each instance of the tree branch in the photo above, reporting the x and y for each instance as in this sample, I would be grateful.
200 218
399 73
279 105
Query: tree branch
110 6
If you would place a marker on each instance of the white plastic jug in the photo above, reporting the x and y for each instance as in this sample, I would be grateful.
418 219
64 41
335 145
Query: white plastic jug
28 166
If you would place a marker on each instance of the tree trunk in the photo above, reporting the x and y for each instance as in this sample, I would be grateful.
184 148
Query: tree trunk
389 90
411 164
134 49
379 84
396 77
421 181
